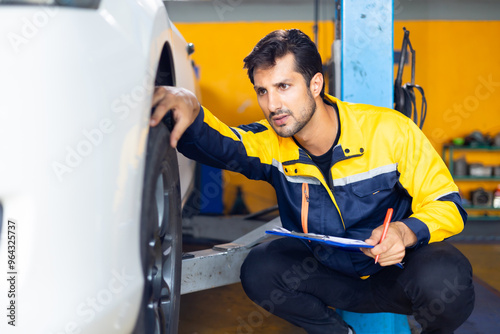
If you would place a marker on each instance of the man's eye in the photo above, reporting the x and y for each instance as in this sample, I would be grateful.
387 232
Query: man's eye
284 86
261 92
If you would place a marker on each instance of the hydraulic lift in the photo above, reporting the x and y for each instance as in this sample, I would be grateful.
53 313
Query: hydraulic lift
221 264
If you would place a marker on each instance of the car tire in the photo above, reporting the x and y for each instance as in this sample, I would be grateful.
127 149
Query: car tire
160 237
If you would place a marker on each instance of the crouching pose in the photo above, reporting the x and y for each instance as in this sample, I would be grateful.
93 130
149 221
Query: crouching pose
336 167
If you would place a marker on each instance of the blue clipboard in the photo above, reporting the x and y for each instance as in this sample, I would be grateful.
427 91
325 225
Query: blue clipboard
329 240
345 243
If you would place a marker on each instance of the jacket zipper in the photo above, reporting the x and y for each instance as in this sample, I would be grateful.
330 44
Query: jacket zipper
305 206
305 201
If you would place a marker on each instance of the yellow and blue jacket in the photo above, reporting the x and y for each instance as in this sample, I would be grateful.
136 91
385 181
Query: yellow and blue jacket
382 160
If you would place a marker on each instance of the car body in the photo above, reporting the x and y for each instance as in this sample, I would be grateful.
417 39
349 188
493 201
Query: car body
76 87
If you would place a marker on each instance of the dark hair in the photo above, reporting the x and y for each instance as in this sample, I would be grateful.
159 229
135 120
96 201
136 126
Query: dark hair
278 44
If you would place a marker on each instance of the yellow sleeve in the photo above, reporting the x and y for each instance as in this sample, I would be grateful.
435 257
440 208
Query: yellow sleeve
436 205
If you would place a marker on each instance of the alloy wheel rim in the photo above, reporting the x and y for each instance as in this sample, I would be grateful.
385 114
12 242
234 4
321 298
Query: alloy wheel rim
159 274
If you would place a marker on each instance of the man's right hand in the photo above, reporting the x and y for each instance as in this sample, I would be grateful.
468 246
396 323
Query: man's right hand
184 105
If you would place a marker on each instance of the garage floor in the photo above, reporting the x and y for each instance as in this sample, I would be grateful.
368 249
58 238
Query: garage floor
227 310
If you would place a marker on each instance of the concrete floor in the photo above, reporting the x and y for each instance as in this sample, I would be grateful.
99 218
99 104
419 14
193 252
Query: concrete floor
227 310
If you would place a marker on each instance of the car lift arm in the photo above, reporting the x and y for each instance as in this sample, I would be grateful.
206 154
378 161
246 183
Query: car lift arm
221 265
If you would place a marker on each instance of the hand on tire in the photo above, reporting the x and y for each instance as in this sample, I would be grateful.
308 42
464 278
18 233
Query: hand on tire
183 104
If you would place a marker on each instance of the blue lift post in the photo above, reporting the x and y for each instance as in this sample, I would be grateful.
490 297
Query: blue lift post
367 39
366 76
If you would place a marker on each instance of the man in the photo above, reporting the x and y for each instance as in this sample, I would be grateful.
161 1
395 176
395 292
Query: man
336 168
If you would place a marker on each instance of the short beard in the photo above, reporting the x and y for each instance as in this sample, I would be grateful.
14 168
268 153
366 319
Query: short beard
301 123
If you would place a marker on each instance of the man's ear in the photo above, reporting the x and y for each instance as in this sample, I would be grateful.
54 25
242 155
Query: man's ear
316 84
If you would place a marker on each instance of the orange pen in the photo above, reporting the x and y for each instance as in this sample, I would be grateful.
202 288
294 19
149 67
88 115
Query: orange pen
387 221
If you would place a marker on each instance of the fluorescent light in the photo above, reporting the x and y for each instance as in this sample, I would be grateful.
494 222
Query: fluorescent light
66 3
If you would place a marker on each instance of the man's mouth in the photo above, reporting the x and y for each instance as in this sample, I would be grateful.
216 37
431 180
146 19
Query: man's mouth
280 120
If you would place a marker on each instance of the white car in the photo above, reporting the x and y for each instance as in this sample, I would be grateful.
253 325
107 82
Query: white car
89 194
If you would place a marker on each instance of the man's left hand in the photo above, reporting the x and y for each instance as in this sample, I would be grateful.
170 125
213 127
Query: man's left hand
393 248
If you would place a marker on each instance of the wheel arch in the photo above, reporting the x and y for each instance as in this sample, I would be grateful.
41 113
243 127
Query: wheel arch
165 73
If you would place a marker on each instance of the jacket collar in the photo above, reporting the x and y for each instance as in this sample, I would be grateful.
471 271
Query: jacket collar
351 141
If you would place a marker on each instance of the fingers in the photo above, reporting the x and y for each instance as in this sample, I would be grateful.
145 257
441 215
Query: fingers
391 260
159 113
389 254
181 124
367 252
162 104
158 95
375 237
391 250
183 104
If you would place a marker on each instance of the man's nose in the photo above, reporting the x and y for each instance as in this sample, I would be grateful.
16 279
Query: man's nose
274 102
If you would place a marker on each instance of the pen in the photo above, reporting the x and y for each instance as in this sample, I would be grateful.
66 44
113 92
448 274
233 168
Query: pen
387 221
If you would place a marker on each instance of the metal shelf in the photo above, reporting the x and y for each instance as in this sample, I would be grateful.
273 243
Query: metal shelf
485 217
449 161
474 208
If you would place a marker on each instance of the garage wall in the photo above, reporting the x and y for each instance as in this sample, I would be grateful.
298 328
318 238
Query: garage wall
457 63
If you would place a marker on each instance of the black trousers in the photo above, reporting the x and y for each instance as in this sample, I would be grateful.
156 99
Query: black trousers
285 278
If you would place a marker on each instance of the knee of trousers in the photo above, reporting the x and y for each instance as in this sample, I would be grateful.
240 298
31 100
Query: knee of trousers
256 274
268 272
442 285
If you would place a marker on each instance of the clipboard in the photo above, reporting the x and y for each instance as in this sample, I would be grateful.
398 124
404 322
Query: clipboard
326 239
345 243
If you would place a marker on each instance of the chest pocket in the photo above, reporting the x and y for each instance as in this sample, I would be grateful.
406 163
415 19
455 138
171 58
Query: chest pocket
366 200
375 185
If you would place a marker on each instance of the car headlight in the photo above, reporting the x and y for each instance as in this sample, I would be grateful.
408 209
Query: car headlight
65 3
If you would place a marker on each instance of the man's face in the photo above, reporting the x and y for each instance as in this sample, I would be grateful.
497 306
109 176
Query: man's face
284 97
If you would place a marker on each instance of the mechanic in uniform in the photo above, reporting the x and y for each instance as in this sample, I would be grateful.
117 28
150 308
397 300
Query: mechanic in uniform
336 167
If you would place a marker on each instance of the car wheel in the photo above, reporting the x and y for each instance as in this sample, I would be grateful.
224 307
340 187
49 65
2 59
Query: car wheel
161 238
